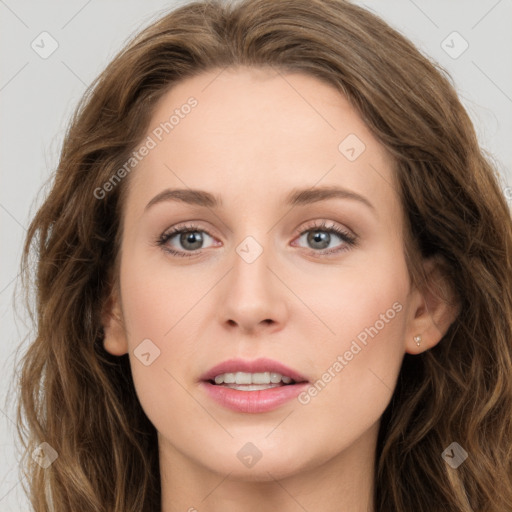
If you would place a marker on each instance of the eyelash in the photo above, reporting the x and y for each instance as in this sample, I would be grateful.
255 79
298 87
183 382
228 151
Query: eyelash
350 240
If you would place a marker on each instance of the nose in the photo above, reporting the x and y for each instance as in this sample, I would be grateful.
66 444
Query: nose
252 298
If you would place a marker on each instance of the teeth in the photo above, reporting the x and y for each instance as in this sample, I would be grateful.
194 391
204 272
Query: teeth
275 377
252 378
243 378
251 387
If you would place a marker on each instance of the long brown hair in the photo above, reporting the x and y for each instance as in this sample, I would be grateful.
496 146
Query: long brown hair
81 400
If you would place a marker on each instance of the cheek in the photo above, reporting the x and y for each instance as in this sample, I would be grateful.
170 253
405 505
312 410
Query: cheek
361 363
362 299
154 307
155 297
359 353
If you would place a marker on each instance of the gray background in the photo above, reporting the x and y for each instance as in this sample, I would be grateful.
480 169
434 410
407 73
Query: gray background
37 97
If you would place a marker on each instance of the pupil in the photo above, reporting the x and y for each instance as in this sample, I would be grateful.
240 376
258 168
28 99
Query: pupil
319 237
190 238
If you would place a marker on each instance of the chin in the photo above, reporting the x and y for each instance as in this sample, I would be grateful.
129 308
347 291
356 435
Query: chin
263 471
260 461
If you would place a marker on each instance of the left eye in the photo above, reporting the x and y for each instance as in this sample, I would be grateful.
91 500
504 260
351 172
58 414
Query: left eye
321 238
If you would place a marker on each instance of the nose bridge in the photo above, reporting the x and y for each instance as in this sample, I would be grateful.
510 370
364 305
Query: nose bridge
251 296
250 249
250 272
254 245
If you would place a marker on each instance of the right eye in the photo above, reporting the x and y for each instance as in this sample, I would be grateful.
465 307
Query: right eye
190 238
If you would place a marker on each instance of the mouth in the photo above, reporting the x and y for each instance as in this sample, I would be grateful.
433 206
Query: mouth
244 381
252 386
246 374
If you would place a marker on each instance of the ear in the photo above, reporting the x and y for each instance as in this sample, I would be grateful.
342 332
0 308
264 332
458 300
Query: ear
433 310
114 340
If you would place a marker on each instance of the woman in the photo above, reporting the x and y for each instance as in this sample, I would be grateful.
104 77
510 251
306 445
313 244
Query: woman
273 272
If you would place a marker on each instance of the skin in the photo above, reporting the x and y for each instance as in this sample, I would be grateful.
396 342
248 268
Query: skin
255 135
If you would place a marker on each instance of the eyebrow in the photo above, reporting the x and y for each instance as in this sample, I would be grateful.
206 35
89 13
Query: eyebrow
297 197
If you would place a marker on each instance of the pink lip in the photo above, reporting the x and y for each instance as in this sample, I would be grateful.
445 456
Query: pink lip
256 366
252 401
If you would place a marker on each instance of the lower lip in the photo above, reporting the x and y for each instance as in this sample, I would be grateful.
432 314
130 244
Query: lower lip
253 401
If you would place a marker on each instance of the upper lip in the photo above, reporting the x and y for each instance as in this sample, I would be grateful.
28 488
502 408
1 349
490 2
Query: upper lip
254 366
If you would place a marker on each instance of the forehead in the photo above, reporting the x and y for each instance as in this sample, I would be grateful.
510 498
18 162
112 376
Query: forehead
256 131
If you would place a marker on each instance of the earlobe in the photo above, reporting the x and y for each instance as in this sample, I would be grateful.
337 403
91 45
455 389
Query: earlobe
114 340
434 309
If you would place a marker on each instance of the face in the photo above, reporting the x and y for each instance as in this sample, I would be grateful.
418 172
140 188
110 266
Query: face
281 268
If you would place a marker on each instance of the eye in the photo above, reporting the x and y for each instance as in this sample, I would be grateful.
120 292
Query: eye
190 237
320 236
